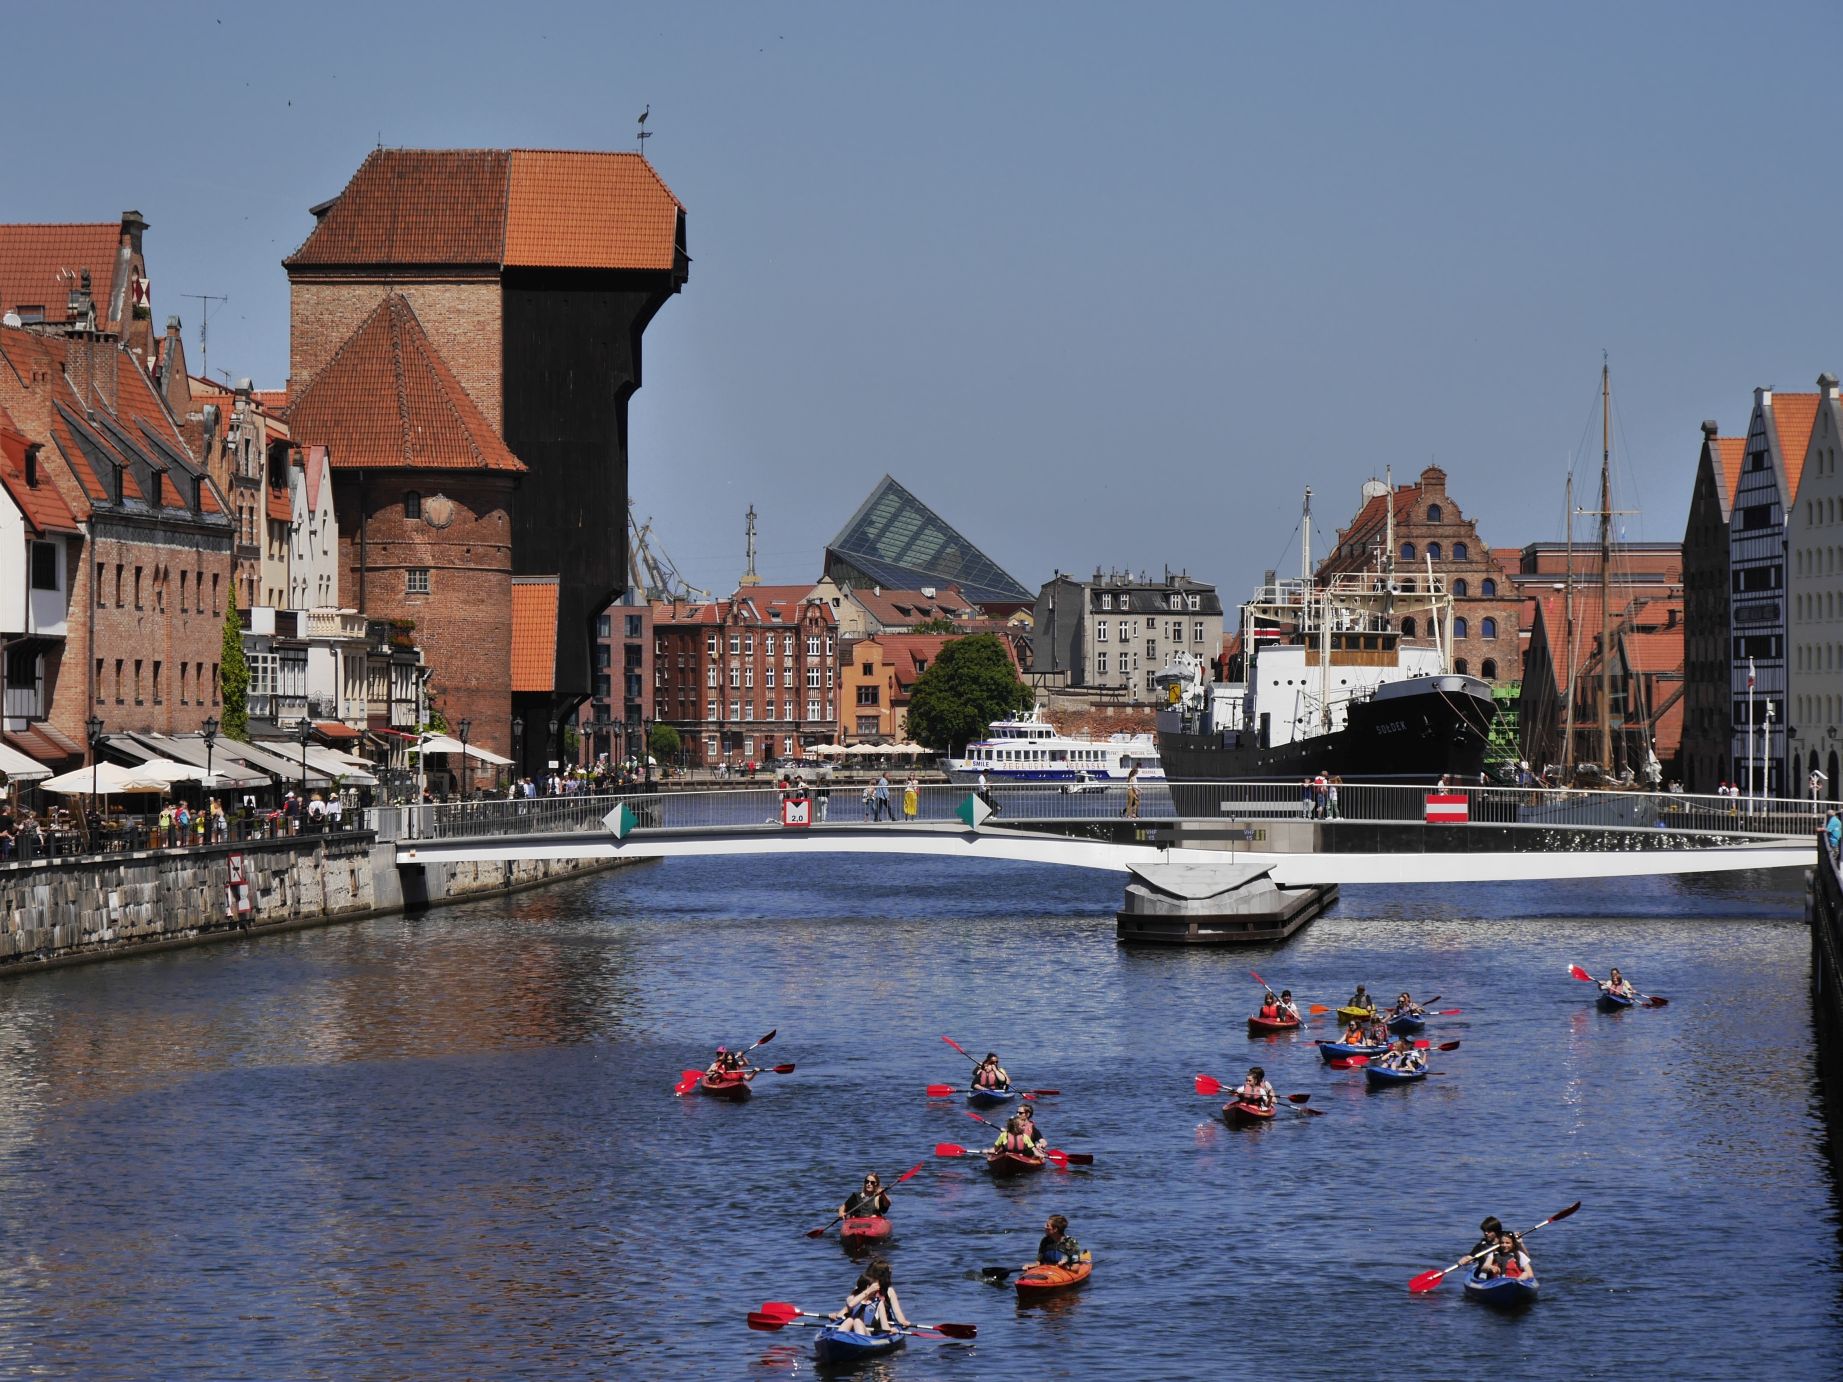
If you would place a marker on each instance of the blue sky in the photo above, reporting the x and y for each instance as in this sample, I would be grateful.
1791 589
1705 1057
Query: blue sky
1104 284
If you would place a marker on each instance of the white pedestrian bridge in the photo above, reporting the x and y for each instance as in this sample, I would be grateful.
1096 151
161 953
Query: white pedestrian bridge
1375 833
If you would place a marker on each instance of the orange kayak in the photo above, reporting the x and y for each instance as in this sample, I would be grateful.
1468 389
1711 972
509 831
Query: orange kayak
1041 1279
727 1086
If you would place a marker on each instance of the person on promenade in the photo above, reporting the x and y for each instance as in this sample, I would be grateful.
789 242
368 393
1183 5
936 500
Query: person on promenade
882 799
1833 835
911 798
1132 793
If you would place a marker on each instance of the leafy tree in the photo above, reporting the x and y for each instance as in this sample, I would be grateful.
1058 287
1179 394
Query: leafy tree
233 675
939 624
970 684
664 743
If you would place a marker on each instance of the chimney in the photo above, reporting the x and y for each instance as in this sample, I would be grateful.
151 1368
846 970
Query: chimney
1710 429
133 228
1827 384
80 306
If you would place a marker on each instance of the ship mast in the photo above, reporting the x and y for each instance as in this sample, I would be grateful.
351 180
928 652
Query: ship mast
1606 573
1567 624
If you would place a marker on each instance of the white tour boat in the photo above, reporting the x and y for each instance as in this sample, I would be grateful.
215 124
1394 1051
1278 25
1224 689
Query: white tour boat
1030 750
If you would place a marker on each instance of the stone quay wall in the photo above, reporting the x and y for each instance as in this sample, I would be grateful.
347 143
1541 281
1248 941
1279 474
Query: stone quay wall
96 907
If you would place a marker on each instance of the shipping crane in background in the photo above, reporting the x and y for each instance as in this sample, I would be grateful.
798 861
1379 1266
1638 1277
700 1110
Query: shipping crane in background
650 570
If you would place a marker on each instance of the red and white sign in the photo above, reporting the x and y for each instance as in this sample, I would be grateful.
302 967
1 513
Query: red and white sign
237 892
1446 808
797 811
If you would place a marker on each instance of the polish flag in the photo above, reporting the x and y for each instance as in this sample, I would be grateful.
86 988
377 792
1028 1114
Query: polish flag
1750 674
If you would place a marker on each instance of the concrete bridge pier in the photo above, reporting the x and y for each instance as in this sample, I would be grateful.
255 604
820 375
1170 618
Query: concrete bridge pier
1231 903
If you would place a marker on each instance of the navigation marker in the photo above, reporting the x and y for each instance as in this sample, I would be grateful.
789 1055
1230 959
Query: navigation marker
621 821
973 811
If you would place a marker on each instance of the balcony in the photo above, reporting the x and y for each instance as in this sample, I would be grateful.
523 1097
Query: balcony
334 624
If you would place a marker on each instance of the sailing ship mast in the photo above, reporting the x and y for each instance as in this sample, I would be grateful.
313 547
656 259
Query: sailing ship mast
1606 573
1567 624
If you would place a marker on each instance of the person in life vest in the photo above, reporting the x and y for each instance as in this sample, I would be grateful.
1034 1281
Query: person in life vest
872 1307
728 1062
1019 1136
1356 1034
1507 1259
1270 1007
1361 1000
1618 985
1488 1232
1405 1006
990 1074
870 1198
1289 1010
1254 1090
1402 1055
1376 1032
1058 1247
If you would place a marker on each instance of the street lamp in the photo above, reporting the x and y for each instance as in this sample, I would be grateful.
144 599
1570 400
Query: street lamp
466 727
646 750
518 746
94 727
304 732
210 735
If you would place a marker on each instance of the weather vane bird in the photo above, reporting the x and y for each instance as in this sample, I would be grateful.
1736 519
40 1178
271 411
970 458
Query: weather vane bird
645 133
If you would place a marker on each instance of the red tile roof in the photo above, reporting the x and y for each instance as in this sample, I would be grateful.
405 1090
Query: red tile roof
901 607
534 633
387 400
44 508
1732 453
1655 650
40 264
781 604
1793 416
498 208
280 508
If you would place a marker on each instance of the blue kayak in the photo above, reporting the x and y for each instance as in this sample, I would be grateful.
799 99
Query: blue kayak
1340 1050
1381 1075
835 1345
1505 1292
1615 1002
988 1097
1406 1023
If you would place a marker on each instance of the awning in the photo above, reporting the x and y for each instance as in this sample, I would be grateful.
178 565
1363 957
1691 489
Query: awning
441 743
283 769
337 766
105 779
184 752
19 768
334 729
43 744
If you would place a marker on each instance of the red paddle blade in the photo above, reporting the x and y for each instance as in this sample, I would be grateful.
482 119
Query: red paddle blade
1060 1160
1315 1112
1352 1061
1078 1158
1298 1098
1560 1215
1577 972
941 1091
948 1149
1653 1001
1317 1010
1041 1093
768 1323
1449 1012
1426 1281
765 1040
687 1081
1208 1084
786 1309
819 1232
956 1046
1257 977
1422 1045
787 1069
957 1331
912 1172
1447 1046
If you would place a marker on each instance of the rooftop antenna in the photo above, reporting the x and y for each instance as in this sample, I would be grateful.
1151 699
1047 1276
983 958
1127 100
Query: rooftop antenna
204 330
645 133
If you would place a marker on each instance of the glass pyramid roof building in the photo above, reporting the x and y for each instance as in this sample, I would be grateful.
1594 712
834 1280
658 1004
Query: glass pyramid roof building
895 540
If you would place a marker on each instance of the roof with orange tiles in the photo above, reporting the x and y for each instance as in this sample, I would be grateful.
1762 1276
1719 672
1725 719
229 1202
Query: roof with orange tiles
498 208
898 607
781 604
534 633
43 507
40 264
1646 607
387 400
313 472
280 507
1731 452
1654 650
1793 416
908 655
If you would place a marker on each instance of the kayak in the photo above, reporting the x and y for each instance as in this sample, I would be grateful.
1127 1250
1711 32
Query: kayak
1343 1050
1355 1014
1505 1292
727 1086
1267 1026
989 1097
1240 1115
858 1233
835 1345
1407 1022
1012 1163
1042 1279
1615 1002
1380 1076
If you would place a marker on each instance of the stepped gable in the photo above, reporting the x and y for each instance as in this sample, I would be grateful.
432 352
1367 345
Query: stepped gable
387 400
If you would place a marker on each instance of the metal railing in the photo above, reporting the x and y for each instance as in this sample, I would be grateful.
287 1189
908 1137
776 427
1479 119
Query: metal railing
737 808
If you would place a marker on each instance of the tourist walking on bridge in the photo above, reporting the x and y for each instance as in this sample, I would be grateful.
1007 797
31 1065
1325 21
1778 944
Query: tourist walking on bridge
881 800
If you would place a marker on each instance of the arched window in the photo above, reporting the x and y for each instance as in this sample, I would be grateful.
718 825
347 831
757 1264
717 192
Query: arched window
1489 670
1460 587
1487 627
1487 587
1459 628
1433 513
1407 551
1407 627
412 504
1459 666
1459 551
1433 550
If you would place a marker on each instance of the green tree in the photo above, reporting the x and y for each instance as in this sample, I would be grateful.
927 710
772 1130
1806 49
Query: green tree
939 624
233 675
972 683
664 743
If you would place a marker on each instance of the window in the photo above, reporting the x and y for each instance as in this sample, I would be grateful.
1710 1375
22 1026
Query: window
710 708
198 590
1106 602
118 585
1407 551
812 645
748 710
787 645
812 678
768 676
1407 627
1489 670
1433 551
870 695
735 708
812 708
1459 666
44 566
118 681
1433 513
710 677
1487 627
1126 630
416 581
735 643
748 676
1196 632
1151 647
1460 551
98 681
1459 628
157 699
1487 587
1176 601
184 676
710 644
412 504
1194 601
1100 631
1460 588
137 682
160 578
214 684
633 626
215 608
748 644
1100 664
99 585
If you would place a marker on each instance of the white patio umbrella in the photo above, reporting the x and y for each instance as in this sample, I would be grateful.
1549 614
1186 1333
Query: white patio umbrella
105 779
908 750
865 751
821 751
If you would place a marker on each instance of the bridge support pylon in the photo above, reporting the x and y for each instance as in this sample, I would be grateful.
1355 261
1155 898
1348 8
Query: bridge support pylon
1214 904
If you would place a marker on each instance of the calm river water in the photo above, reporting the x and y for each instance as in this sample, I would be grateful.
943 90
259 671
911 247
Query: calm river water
445 1146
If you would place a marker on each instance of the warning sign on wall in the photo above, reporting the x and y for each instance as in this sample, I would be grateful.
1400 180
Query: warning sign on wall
237 892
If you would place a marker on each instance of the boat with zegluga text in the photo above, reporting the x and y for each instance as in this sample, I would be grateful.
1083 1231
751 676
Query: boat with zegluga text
1031 749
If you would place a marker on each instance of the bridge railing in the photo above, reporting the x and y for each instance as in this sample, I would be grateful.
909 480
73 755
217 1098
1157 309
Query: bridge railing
1157 802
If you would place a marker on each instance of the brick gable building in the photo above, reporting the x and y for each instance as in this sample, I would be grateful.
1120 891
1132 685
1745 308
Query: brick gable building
1708 706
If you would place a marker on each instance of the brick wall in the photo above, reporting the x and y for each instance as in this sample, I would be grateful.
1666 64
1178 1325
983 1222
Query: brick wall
460 315
463 542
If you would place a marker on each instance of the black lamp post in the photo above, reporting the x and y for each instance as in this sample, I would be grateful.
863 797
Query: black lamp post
304 732
646 750
466 727
210 735
93 726
518 745
552 748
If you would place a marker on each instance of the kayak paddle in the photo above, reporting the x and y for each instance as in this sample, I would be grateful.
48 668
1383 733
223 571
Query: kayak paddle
820 1231
785 1313
1062 1159
946 1091
687 1081
787 1069
1650 1000
1209 1084
1426 1281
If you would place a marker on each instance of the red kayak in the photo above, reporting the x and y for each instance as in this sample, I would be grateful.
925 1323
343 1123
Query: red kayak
861 1233
1042 1279
1240 1115
1012 1163
1267 1026
732 1085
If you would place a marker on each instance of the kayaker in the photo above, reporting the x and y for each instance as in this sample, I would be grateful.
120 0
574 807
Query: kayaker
1270 1007
1357 1034
728 1062
1058 1248
1488 1232
1618 985
989 1074
1361 1000
872 1307
1254 1090
870 1199
1407 1007
1507 1259
1289 1010
1019 1136
1402 1055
